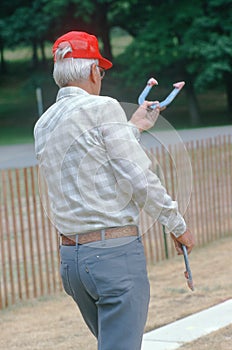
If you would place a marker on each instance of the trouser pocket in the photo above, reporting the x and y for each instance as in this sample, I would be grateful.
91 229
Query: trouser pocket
109 273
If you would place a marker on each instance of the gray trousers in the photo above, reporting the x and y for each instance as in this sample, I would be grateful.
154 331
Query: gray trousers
111 288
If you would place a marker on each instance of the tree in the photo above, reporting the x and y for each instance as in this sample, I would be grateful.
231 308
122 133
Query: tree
7 8
159 45
31 23
86 15
132 15
193 38
2 58
27 25
212 37
34 22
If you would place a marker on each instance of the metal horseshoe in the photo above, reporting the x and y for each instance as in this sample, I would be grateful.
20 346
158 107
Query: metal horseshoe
151 82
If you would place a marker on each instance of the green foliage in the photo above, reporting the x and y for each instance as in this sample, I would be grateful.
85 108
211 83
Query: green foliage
194 37
159 43
212 37
132 15
60 8
26 24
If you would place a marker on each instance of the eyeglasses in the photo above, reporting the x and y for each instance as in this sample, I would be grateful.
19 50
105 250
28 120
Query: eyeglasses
101 71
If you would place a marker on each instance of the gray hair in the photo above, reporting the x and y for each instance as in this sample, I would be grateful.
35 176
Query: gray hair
68 70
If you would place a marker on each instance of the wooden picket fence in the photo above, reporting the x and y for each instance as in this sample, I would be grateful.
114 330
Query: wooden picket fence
29 247
28 241
209 210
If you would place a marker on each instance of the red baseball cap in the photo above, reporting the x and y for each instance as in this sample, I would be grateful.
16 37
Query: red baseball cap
83 45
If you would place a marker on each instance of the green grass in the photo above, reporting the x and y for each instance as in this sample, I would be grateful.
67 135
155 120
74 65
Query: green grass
24 53
17 135
119 44
18 105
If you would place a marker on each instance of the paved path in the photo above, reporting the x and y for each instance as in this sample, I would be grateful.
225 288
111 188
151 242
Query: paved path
188 329
18 156
171 136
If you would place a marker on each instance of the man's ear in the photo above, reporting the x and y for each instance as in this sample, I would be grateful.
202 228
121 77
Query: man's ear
94 73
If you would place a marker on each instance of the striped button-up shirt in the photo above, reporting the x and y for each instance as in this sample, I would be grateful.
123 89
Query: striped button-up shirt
96 173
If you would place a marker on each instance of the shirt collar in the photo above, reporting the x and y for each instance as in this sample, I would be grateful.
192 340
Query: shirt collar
70 91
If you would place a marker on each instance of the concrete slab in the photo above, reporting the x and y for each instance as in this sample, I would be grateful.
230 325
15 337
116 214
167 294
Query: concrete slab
173 335
159 345
17 156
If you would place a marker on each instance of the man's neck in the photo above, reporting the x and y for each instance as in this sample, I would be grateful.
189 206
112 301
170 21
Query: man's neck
85 85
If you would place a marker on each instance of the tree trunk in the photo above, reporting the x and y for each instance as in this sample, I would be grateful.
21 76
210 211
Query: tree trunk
3 62
104 30
228 85
107 51
42 49
35 59
194 109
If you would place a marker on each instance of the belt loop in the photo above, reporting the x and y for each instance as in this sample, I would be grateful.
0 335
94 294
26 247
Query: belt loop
139 234
76 241
103 232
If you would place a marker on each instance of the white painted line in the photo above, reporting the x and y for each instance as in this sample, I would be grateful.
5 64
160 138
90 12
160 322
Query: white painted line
172 336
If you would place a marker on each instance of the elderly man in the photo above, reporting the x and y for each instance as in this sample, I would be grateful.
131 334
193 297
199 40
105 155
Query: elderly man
98 178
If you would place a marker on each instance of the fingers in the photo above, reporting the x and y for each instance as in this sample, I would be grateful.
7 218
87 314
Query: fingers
147 105
153 113
152 106
155 105
179 251
178 246
145 116
187 239
189 249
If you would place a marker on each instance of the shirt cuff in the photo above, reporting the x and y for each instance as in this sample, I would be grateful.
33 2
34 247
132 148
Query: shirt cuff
179 228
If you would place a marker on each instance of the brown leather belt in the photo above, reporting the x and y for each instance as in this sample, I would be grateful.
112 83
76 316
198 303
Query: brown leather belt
94 236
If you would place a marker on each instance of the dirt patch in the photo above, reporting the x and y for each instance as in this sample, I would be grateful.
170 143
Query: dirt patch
219 340
54 323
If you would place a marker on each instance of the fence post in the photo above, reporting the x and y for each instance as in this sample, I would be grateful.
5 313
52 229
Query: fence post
165 243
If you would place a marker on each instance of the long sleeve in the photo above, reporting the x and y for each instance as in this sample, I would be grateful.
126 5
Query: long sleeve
132 170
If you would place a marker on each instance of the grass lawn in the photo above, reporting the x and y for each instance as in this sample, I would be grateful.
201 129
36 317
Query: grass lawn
15 135
18 104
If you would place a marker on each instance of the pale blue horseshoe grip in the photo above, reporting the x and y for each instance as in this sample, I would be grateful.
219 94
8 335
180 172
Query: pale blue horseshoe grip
188 270
142 97
151 82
